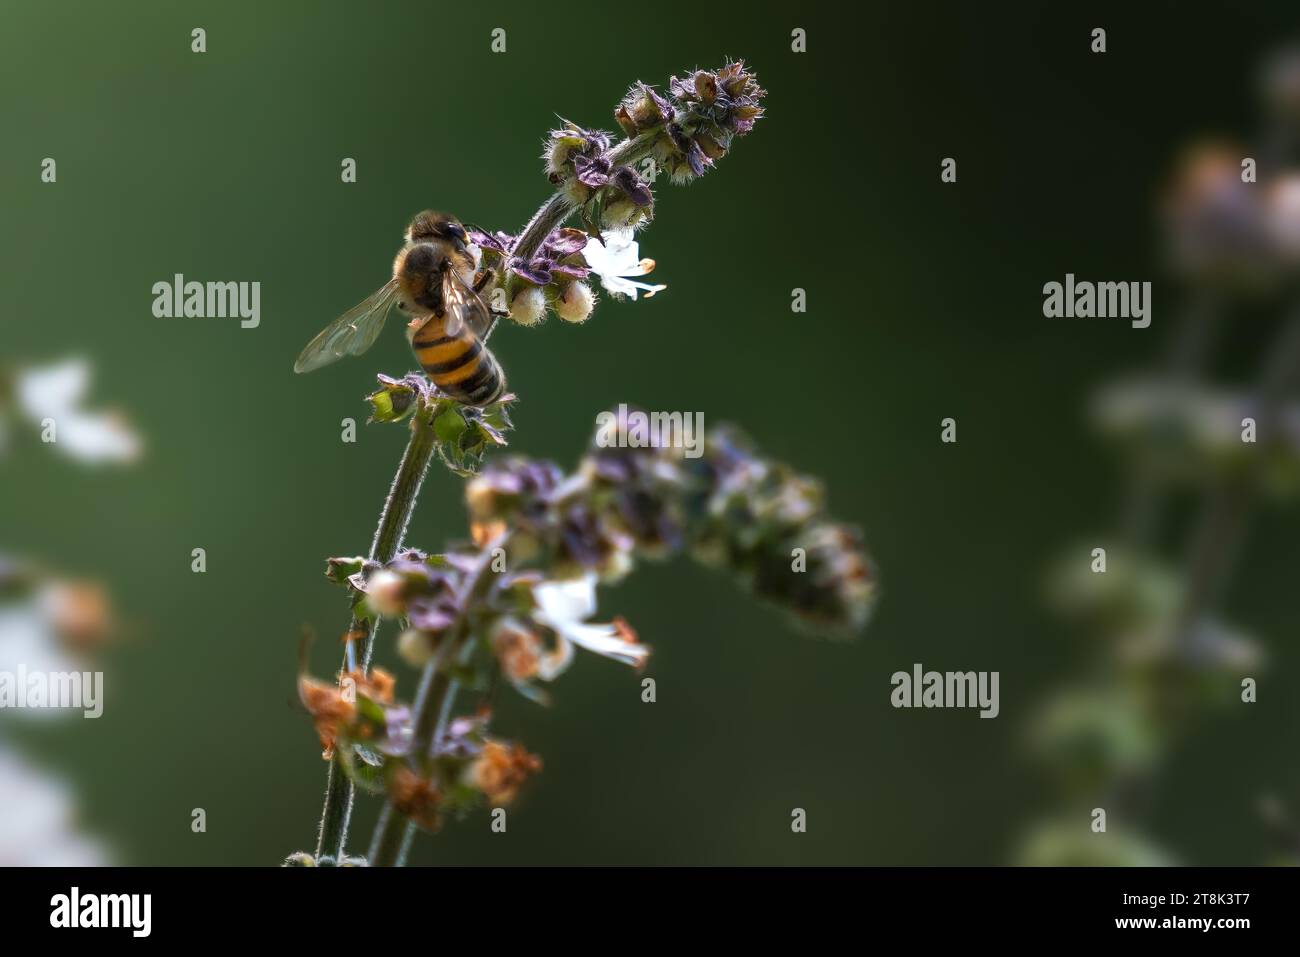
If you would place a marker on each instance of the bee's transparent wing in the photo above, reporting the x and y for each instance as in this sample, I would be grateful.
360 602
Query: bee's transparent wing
351 333
464 306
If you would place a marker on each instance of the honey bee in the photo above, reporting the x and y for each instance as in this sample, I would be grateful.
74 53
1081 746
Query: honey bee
433 282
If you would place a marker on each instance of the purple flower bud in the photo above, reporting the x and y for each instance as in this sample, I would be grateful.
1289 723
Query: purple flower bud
430 614
706 86
661 105
592 171
697 160
538 272
627 180
642 109
497 242
399 729
565 242
711 147
728 100
565 271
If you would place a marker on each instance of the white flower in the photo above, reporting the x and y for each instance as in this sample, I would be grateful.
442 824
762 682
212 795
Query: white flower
55 393
616 260
564 607
38 827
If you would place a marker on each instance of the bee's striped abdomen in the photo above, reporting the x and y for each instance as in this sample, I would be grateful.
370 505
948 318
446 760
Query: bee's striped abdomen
459 365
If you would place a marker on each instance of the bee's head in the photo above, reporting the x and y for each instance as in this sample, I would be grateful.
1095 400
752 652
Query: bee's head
430 226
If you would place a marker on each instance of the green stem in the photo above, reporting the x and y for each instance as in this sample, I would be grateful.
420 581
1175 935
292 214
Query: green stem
393 520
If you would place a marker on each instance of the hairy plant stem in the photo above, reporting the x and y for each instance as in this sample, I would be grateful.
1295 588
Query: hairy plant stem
433 705
393 520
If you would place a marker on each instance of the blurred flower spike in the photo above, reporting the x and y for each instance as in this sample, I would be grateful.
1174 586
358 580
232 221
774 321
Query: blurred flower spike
1187 432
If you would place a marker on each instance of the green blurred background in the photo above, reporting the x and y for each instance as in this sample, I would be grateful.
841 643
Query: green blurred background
924 302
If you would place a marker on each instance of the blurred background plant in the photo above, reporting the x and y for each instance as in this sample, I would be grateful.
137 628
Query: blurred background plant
1203 461
49 623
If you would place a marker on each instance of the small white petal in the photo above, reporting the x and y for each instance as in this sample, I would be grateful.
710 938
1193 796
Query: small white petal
563 606
95 438
649 289
606 640
572 600
618 287
51 391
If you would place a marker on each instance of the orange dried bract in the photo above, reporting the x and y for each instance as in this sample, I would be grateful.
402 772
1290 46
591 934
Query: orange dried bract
501 770
377 686
625 631
328 708
80 613
484 532
415 797
518 650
